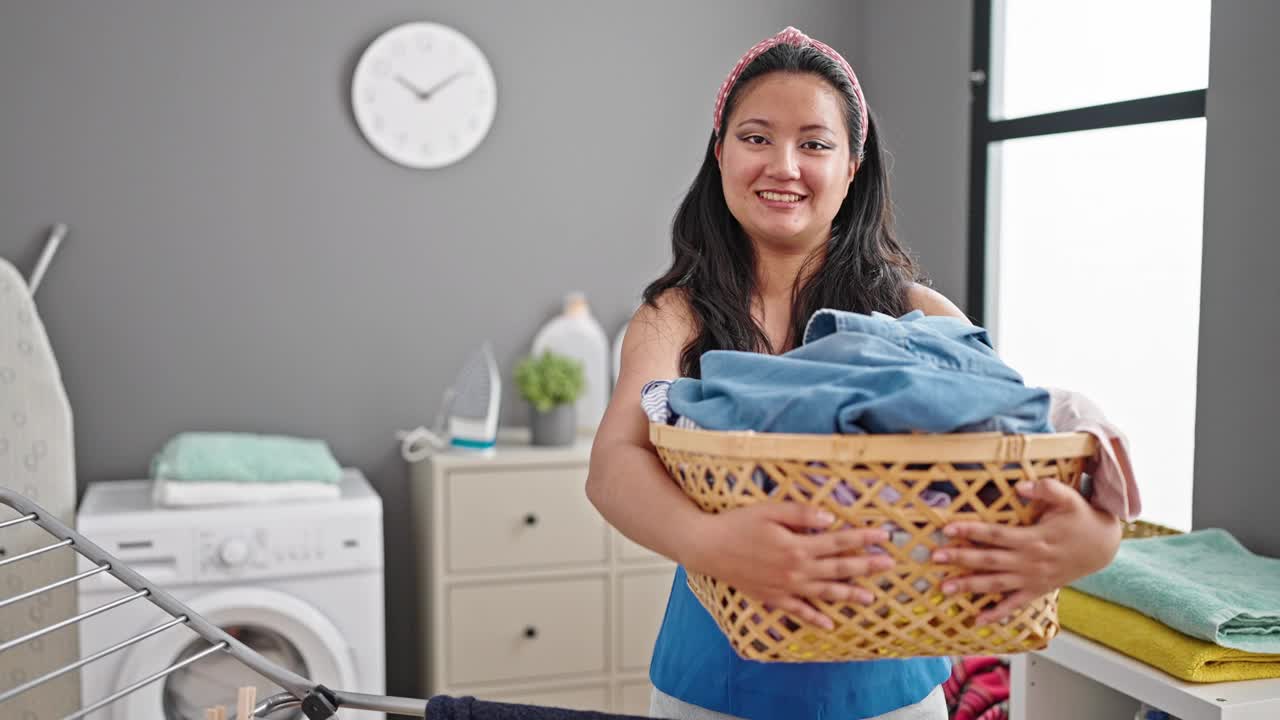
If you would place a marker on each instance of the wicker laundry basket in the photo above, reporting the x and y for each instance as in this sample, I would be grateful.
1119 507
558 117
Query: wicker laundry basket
879 480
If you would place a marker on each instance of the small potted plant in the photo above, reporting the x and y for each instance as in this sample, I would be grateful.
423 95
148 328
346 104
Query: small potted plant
552 383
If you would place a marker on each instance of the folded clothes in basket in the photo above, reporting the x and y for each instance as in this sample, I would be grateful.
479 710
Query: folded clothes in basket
858 373
854 374
876 374
1205 584
443 707
245 458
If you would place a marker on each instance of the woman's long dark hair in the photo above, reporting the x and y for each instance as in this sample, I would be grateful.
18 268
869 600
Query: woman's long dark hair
713 263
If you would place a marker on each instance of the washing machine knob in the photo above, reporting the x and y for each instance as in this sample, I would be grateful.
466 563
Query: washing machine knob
234 552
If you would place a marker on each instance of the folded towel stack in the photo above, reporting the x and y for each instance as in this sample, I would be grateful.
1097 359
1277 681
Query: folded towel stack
1156 644
1199 606
1204 584
206 468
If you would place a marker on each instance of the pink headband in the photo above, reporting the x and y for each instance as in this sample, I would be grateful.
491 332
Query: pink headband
792 36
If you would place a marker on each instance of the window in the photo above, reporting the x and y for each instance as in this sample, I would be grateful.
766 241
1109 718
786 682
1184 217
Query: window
1087 193
1053 55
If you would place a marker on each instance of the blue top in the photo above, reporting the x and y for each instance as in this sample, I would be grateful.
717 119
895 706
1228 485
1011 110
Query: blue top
694 662
853 373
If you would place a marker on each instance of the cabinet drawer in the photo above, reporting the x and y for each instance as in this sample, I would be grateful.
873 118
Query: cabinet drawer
528 630
633 698
522 518
594 698
642 598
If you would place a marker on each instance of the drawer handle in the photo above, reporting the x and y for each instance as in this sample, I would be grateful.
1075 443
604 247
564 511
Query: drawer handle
530 519
531 632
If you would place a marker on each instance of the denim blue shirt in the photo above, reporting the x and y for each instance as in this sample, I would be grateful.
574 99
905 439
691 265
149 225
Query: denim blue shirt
866 374
852 374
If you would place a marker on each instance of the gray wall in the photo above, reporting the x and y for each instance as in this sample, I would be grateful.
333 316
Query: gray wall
913 59
1238 396
239 257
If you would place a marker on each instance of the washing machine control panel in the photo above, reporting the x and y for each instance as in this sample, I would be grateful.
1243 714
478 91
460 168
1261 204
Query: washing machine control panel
248 552
179 547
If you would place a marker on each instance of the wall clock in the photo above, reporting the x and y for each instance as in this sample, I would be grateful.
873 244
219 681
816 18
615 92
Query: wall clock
423 95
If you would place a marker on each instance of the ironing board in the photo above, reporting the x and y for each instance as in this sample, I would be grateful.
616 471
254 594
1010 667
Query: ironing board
37 460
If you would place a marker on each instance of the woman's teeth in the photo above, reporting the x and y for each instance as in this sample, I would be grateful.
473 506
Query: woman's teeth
781 197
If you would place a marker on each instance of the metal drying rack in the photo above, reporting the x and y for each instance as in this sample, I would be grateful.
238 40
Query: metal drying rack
316 701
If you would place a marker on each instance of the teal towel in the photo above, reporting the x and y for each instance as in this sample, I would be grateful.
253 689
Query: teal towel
245 457
1204 584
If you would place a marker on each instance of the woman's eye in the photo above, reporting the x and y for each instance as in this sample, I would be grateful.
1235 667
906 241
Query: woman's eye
815 145
755 139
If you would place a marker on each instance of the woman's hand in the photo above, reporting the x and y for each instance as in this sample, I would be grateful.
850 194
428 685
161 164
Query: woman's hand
763 551
1072 539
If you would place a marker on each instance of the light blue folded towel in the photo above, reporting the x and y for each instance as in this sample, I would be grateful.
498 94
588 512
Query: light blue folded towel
1204 584
245 457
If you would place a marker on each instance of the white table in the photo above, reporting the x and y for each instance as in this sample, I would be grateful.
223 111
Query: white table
1077 678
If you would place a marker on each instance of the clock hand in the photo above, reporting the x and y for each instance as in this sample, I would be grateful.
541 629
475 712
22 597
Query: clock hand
416 92
440 85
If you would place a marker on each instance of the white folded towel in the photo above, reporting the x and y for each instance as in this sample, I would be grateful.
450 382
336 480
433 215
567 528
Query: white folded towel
183 494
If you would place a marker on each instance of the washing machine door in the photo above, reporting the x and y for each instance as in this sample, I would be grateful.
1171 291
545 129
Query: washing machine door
283 628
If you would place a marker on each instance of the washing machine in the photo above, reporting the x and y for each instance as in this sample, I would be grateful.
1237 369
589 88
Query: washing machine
301 582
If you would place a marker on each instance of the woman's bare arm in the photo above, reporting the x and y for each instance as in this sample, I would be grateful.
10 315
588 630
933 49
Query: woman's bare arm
627 481
762 549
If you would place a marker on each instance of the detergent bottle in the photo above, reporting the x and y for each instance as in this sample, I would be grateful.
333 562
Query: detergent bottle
577 334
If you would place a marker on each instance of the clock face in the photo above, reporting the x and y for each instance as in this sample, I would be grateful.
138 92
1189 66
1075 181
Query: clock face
423 95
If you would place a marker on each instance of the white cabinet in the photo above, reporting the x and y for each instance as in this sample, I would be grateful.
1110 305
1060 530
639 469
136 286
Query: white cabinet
1078 678
519 518
516 630
527 594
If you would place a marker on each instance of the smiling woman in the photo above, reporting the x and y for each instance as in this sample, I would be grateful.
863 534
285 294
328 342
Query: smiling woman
790 210
788 214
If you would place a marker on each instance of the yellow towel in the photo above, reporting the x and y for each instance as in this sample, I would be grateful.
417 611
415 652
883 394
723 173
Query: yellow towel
1138 636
